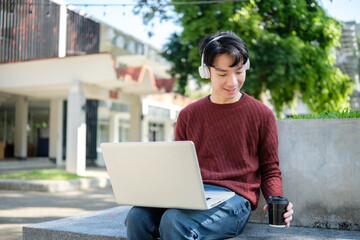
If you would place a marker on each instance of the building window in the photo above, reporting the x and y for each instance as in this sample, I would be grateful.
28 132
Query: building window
140 48
38 130
7 129
156 132
119 107
103 131
131 45
158 112
124 129
120 41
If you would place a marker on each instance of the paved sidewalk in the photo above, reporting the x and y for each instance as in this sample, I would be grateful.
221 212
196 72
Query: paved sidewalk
18 209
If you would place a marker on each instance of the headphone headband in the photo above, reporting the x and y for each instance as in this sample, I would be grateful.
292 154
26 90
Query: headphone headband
202 55
214 39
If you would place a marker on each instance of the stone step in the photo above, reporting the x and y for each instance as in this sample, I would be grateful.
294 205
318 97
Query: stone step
109 225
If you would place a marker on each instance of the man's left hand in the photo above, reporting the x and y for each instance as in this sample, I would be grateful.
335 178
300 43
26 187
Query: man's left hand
288 215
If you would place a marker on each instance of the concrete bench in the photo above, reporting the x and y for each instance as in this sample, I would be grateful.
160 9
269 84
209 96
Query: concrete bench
109 225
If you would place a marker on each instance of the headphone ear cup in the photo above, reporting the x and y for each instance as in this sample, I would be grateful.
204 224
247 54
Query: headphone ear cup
247 64
201 71
204 71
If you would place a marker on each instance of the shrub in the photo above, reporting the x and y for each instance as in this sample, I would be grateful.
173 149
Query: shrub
346 113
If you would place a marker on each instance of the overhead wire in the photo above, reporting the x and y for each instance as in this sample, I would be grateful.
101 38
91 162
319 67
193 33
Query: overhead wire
145 3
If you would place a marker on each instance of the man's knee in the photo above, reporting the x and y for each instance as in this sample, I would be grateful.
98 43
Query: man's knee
141 223
170 219
133 217
175 223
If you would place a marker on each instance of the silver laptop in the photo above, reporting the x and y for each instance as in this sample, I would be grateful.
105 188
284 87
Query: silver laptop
158 174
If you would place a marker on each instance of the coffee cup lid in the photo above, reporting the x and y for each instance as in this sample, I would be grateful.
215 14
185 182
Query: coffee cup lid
278 199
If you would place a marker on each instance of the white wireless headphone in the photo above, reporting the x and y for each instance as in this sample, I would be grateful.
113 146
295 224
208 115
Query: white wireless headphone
204 71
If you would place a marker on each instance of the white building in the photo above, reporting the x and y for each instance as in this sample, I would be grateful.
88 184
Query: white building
347 58
68 83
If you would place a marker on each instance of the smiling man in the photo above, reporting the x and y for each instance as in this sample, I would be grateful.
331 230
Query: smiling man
236 140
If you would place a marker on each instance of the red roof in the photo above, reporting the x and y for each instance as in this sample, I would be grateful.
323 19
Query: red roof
132 72
136 74
165 83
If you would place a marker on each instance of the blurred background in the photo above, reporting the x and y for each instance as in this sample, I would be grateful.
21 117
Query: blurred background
74 74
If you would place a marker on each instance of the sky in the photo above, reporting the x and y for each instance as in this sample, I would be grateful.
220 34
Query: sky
122 18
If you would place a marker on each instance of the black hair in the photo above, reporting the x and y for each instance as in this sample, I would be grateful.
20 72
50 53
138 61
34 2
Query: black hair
228 42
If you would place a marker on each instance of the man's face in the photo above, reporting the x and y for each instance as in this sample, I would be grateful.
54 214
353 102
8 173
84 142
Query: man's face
226 81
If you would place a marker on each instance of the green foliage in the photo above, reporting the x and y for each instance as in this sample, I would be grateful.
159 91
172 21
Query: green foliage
176 51
291 51
291 44
46 174
346 113
42 124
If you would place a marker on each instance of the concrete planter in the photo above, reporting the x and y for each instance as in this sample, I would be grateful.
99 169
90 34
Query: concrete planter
320 163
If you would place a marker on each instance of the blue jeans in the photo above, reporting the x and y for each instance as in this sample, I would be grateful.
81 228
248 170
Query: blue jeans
223 221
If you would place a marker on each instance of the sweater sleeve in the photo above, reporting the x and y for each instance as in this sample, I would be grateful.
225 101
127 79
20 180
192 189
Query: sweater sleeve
180 127
271 182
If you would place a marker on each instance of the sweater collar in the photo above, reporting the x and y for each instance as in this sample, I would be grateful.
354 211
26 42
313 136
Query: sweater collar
227 105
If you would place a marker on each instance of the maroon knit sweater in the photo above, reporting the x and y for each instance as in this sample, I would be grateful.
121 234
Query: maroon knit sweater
236 144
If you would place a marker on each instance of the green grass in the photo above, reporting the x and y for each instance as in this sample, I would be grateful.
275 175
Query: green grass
43 174
346 113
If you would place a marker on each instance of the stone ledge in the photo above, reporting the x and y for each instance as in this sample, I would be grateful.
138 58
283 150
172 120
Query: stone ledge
53 185
101 225
109 225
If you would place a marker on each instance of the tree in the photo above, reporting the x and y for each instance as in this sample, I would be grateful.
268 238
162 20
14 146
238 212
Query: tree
291 43
176 52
